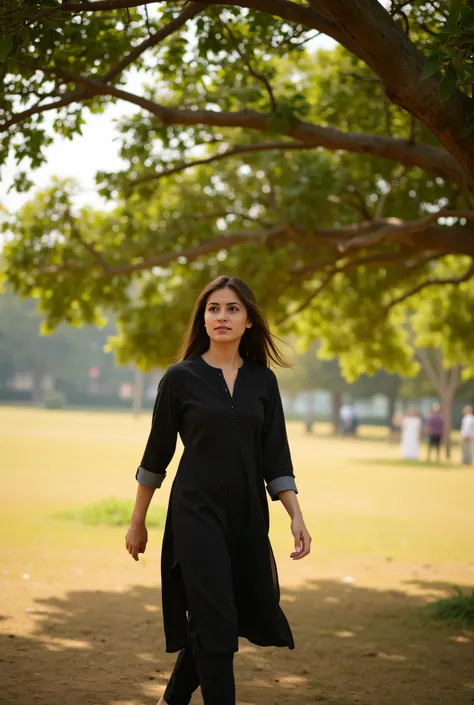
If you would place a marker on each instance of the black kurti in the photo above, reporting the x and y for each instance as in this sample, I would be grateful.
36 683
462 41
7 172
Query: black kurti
217 562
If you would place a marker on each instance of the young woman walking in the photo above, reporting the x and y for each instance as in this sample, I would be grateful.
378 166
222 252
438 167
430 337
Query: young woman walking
219 577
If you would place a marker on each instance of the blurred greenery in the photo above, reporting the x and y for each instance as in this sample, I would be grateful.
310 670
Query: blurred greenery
457 608
113 512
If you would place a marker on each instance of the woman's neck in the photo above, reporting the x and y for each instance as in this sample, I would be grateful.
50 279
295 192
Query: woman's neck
223 356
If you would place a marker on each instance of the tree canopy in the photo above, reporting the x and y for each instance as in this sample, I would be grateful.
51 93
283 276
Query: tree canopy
339 183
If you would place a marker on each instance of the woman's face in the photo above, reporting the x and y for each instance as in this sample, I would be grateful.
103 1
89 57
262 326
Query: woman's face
225 316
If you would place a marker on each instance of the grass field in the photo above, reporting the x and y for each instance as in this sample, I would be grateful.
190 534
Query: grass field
80 621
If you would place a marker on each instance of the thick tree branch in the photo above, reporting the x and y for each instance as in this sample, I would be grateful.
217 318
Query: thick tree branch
400 151
399 64
192 253
367 30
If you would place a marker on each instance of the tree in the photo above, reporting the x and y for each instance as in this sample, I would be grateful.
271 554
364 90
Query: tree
315 176
309 371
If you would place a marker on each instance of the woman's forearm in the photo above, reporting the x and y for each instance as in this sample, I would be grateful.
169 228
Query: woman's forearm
142 502
290 502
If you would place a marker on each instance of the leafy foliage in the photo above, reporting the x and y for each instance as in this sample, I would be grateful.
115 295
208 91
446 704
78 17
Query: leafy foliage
452 53
245 153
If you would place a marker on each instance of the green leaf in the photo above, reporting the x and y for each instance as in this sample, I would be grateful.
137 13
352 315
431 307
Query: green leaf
6 44
455 9
433 64
448 84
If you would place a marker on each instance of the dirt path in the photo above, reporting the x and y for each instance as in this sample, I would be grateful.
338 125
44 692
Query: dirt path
91 640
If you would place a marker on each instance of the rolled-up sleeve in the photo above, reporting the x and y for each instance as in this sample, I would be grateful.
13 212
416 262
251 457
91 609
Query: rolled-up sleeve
276 457
161 443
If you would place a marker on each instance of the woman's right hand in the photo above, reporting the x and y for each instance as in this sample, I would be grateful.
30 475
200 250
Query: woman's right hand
136 539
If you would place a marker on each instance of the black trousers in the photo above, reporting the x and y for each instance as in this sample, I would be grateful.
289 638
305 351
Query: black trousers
214 672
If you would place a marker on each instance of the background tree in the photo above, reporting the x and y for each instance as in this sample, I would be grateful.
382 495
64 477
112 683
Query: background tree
66 356
310 371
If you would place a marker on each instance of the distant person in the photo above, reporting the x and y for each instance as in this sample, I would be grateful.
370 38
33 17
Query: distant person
345 417
309 419
411 433
396 426
434 430
354 420
467 435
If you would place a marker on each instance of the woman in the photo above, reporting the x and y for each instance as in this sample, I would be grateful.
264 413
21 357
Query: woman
219 577
411 431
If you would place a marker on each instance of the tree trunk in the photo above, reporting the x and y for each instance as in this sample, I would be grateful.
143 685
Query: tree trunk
392 400
447 406
336 398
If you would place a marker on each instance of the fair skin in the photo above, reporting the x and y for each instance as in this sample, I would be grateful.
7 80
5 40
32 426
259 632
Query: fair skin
226 321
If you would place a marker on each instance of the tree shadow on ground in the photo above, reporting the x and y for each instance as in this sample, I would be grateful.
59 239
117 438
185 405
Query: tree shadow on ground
353 645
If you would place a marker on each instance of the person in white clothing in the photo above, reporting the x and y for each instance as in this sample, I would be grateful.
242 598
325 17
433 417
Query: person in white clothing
467 436
411 432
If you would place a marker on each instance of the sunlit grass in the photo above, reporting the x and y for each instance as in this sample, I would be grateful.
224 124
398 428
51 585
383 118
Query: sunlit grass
356 498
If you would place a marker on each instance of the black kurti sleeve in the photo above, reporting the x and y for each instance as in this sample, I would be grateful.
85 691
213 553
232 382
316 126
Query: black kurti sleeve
277 464
161 442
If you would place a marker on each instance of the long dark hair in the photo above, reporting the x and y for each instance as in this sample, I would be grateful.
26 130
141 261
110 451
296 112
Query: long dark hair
257 343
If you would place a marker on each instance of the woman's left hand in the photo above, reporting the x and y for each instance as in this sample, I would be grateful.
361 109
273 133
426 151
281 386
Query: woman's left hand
301 537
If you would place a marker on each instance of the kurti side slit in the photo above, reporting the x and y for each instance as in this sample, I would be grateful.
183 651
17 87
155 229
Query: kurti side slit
217 562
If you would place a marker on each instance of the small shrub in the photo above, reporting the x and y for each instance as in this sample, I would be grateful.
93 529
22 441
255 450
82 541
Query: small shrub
54 399
114 512
457 608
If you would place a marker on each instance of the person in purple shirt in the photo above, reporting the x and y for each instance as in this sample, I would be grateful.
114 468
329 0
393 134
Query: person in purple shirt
434 430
